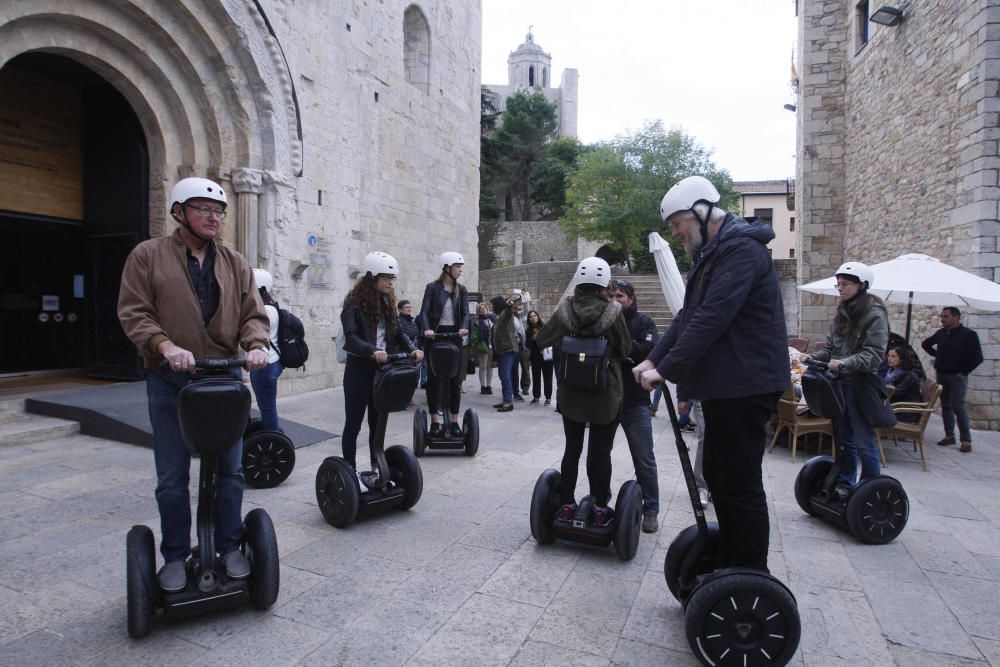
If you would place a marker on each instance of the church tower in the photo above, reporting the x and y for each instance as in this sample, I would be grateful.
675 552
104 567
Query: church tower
529 66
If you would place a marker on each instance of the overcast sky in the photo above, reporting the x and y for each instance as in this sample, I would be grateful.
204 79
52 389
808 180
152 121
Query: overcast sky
719 69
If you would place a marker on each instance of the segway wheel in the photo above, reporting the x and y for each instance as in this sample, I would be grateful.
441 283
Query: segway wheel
628 519
544 505
260 546
678 551
254 425
878 510
470 429
141 587
337 492
419 432
809 481
404 470
268 459
744 618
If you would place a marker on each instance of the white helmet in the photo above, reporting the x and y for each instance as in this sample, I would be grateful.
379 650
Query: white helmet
263 279
376 263
191 188
449 258
862 272
592 271
686 193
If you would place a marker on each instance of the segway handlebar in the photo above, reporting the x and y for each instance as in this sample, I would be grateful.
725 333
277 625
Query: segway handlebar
398 356
449 335
219 364
817 365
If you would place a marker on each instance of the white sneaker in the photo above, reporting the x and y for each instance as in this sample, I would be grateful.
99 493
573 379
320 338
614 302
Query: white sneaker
361 483
703 497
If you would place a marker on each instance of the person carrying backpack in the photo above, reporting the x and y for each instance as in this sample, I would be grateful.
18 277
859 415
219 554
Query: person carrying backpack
265 380
372 333
589 313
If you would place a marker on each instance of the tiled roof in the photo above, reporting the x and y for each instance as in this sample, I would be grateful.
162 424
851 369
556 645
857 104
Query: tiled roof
761 187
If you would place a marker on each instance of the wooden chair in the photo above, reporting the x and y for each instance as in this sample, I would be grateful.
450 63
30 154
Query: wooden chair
800 344
798 425
931 392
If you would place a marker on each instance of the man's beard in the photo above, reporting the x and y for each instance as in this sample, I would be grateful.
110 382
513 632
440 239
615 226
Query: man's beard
696 242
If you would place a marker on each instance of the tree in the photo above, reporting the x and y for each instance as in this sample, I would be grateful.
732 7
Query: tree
549 178
526 128
615 192
489 159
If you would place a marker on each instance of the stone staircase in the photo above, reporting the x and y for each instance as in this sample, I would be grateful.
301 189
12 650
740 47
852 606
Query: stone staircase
17 427
649 296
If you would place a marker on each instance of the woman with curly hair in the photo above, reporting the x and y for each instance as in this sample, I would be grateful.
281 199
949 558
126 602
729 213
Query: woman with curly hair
371 333
541 368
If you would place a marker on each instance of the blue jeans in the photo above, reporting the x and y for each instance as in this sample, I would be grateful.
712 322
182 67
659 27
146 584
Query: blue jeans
173 468
638 427
953 390
856 436
265 388
505 365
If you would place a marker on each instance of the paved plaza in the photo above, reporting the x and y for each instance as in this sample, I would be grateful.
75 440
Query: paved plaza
458 580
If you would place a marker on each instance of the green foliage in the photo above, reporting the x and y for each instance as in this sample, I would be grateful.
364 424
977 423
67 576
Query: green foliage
549 178
614 194
489 160
526 128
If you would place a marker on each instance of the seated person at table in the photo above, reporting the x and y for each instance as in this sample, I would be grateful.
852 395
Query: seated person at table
905 383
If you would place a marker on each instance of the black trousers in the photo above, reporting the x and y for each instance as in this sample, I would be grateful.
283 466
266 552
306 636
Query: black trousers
602 437
453 385
734 450
540 370
359 374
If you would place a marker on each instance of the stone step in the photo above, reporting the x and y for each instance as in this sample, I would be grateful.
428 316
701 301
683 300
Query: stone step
24 428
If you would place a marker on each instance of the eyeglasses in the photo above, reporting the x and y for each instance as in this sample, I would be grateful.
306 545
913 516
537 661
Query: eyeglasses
618 282
845 285
204 211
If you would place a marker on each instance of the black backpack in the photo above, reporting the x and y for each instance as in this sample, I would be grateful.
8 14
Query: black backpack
292 348
583 363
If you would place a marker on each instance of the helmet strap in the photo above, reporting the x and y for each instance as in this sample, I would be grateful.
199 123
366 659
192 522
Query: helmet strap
703 222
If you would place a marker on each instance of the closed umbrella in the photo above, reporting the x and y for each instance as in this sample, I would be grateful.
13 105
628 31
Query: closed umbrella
916 279
670 275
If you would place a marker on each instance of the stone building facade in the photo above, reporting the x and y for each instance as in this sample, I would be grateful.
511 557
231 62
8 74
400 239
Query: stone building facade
898 152
529 68
337 128
773 201
528 241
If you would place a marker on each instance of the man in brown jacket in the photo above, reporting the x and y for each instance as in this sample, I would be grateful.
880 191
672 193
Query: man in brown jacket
185 297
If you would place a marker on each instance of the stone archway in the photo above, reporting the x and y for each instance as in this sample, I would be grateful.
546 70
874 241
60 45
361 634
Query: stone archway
206 79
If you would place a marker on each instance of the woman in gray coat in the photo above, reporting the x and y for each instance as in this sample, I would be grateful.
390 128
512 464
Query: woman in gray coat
589 313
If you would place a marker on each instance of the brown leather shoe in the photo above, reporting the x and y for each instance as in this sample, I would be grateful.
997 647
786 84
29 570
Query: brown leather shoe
947 440
965 448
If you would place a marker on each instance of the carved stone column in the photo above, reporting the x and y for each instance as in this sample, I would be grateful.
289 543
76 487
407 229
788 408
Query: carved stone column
247 183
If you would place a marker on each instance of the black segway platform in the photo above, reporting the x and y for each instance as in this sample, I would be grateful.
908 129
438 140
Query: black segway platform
395 480
212 412
445 358
623 529
732 615
876 510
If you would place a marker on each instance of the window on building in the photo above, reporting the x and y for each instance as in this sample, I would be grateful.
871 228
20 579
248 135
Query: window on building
545 77
417 48
861 19
791 224
531 76
765 215
791 253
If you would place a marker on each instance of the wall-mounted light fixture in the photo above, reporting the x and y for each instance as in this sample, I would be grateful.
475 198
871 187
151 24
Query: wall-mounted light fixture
791 107
886 15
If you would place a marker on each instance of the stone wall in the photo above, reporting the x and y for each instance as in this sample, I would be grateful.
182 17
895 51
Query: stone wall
329 145
908 127
526 242
545 281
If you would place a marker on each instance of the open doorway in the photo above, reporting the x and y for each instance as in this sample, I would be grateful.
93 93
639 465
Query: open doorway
75 172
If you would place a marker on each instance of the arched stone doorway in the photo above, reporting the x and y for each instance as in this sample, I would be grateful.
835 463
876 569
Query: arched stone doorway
205 88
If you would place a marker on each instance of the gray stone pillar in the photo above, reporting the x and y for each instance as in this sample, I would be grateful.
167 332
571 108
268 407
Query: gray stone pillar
247 183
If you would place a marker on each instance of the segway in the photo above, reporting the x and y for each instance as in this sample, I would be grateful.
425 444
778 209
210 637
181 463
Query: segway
732 615
395 479
268 456
875 511
445 359
212 411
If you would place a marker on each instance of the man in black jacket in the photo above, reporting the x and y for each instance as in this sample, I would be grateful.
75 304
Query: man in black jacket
956 353
636 419
728 346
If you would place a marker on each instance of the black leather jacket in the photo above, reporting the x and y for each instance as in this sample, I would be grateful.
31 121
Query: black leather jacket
435 299
359 337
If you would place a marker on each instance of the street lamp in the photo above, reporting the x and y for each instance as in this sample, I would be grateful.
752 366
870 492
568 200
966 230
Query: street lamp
790 107
886 15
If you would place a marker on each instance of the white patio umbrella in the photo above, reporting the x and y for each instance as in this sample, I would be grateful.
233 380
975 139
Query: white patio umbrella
666 269
916 279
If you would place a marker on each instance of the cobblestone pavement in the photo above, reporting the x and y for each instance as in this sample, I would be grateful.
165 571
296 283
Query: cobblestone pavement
458 579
